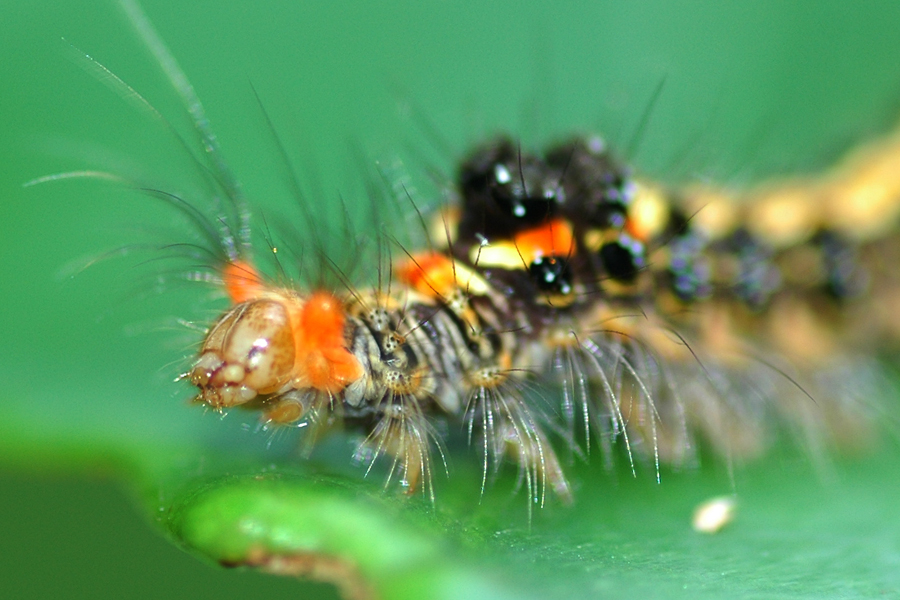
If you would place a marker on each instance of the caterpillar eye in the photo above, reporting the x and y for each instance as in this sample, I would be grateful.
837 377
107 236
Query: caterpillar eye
249 351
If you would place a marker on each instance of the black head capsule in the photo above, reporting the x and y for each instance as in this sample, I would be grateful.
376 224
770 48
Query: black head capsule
623 258
505 191
551 275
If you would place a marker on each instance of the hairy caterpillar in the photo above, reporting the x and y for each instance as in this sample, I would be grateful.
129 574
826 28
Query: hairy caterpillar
642 307
594 312
646 318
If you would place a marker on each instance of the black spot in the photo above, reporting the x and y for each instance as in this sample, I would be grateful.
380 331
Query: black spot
623 258
690 272
757 277
844 276
598 189
551 274
504 191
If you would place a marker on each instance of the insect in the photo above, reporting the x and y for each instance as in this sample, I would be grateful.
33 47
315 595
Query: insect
640 317
560 301
638 309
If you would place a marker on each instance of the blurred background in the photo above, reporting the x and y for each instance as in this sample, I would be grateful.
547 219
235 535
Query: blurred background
688 90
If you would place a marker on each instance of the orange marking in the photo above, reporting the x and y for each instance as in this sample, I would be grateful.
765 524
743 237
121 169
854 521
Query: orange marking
242 281
429 273
637 230
553 238
322 360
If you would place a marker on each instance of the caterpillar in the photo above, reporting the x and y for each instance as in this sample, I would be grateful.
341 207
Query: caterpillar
643 318
656 318
562 302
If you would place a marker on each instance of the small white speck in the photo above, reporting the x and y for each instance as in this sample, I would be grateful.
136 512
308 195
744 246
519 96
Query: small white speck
714 514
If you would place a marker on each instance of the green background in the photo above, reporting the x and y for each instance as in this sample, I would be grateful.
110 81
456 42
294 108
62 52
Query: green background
750 89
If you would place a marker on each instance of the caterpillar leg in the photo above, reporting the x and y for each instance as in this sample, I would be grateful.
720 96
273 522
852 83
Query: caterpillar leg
309 405
510 429
404 434
539 466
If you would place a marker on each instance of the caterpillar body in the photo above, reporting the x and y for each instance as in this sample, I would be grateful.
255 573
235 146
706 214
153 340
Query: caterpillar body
651 317
563 302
